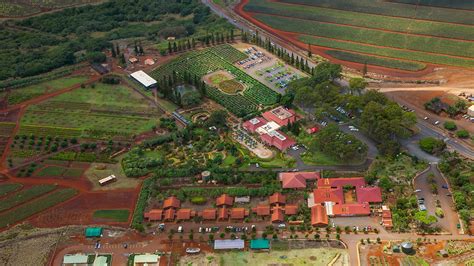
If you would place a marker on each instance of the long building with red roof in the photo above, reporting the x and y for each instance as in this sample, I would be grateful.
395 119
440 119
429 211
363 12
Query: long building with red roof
297 180
154 215
341 181
369 194
280 115
319 217
209 214
224 200
171 202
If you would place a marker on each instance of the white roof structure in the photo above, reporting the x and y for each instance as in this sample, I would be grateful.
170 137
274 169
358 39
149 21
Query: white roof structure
328 205
229 244
100 261
107 179
267 128
470 110
277 134
75 259
143 78
146 259
245 199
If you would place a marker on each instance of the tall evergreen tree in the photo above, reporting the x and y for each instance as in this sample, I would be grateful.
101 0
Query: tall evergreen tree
170 49
114 53
310 54
175 47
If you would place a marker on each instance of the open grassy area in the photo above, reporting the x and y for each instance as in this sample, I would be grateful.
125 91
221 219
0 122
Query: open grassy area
376 61
36 206
24 196
7 188
98 171
100 112
352 17
58 171
112 215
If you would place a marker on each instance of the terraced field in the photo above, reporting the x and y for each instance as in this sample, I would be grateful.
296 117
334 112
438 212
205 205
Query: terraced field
389 29
221 57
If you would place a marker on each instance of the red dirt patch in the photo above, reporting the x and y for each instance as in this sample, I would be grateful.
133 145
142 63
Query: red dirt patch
79 210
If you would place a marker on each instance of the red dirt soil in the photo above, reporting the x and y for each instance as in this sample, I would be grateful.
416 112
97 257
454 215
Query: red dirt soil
293 38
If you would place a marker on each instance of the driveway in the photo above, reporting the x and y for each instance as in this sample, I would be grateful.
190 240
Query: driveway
451 219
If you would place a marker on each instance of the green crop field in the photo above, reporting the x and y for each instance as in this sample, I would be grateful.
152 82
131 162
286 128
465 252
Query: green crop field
202 62
395 29
36 206
376 61
389 52
398 24
387 8
113 215
462 4
100 112
370 36
7 188
24 196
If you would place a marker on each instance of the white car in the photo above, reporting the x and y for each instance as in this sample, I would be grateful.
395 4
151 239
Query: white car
418 190
436 122
426 118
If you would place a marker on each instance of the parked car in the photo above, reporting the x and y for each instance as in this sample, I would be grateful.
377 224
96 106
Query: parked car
180 229
418 190
445 186
436 122
422 207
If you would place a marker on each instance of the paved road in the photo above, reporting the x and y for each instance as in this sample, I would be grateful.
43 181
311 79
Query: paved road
422 182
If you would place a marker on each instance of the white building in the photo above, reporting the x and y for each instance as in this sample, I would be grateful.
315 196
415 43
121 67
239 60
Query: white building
144 79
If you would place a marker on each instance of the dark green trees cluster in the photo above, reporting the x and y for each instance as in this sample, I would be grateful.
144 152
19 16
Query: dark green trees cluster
169 88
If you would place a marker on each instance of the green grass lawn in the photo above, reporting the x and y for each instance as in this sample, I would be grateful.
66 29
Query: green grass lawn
51 171
229 160
24 196
7 188
36 206
73 172
114 215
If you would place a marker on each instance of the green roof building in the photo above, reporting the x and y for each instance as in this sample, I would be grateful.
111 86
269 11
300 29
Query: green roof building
260 243
93 231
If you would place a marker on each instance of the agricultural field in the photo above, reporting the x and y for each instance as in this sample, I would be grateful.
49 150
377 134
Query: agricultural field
385 29
35 206
7 188
12 8
24 196
221 57
112 215
97 112
6 129
461 4
58 172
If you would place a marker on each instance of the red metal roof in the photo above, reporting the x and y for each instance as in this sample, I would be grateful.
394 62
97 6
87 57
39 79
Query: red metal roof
223 213
297 179
351 209
386 214
169 215
277 197
171 202
369 194
319 216
184 214
341 181
291 209
281 144
262 210
209 214
154 215
224 199
322 195
254 123
277 215
238 213
280 115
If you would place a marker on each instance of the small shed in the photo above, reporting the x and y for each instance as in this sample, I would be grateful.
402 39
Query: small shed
75 259
443 253
245 199
146 259
407 248
470 110
93 231
261 243
229 244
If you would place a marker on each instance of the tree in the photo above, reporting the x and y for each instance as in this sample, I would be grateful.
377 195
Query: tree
364 70
424 220
463 134
385 183
357 85
450 125
191 98
432 145
310 54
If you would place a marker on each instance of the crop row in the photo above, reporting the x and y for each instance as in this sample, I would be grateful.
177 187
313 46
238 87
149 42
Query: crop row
6 128
393 9
389 52
228 52
36 206
24 196
462 4
237 104
49 131
397 24
370 36
376 61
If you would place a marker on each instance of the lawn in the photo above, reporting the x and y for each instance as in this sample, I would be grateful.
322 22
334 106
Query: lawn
376 61
102 112
113 215
36 206
352 17
97 171
24 196
319 158
7 188
370 36
51 171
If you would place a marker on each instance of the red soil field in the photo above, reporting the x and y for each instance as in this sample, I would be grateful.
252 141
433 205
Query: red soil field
79 210
293 38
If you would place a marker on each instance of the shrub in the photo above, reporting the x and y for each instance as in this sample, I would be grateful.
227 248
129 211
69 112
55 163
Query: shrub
198 200
432 145
450 125
463 134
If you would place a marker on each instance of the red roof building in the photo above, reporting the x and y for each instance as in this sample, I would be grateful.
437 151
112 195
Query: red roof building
322 195
368 194
209 214
169 215
341 181
238 213
387 217
254 123
277 198
277 139
277 215
291 209
171 202
224 200
262 210
297 179
223 214
154 215
312 130
318 216
280 115
351 209
184 214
